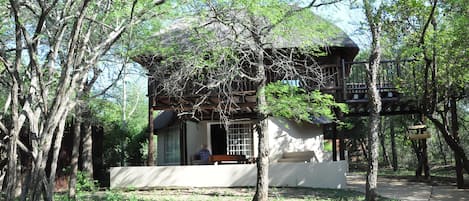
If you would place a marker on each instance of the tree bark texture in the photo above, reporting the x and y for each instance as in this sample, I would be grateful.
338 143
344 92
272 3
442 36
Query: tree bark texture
425 165
87 147
374 101
61 45
383 144
373 149
363 149
455 135
262 184
75 155
395 166
440 148
56 151
16 125
11 171
452 142
420 149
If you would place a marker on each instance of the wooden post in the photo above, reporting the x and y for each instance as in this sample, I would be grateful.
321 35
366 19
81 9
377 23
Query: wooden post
151 144
426 167
334 142
341 148
334 149
183 144
151 156
344 82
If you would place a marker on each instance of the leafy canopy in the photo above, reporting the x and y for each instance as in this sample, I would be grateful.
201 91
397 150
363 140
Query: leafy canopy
292 102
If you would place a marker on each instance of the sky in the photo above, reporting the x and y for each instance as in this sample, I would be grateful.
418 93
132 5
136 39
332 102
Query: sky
346 18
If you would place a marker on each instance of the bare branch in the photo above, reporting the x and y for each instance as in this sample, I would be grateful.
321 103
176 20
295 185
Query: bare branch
427 23
24 148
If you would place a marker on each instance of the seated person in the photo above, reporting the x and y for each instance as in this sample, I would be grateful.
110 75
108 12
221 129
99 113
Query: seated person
204 154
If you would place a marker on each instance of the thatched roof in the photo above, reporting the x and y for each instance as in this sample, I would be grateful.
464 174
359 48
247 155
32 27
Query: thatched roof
183 32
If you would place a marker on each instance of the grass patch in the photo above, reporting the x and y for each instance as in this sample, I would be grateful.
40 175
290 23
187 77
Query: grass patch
219 194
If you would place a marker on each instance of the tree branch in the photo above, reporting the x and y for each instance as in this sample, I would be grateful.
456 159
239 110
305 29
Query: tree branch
427 23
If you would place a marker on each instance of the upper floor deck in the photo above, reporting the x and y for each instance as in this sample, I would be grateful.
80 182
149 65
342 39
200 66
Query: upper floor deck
345 80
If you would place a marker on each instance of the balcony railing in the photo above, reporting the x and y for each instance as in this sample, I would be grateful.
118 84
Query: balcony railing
356 88
346 81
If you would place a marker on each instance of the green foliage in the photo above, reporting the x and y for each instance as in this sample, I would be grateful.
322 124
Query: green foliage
115 196
291 102
137 148
122 142
328 146
85 183
404 28
444 43
84 188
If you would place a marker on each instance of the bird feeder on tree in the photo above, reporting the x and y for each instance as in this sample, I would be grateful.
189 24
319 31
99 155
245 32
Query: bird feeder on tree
417 132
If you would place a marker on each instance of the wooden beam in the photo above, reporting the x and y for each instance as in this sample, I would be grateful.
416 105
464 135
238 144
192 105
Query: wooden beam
187 107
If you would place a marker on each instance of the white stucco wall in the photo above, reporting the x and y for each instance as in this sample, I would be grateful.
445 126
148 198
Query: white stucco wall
317 175
289 136
205 133
284 136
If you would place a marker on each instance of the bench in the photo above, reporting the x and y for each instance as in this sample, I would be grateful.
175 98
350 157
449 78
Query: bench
228 159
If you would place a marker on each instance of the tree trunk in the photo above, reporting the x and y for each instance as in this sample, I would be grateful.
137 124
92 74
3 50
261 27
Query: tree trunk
55 156
11 171
415 147
374 102
455 134
4 181
452 143
373 147
459 171
363 148
440 146
262 185
21 177
75 152
87 147
393 146
420 149
424 154
383 144
12 146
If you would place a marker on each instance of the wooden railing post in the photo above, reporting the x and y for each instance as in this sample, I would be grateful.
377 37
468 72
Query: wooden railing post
344 83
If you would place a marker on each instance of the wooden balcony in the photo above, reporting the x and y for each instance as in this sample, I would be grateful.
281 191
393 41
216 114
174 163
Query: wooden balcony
345 80
355 92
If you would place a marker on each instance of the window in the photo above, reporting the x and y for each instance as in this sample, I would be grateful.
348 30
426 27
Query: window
171 146
239 139
294 83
